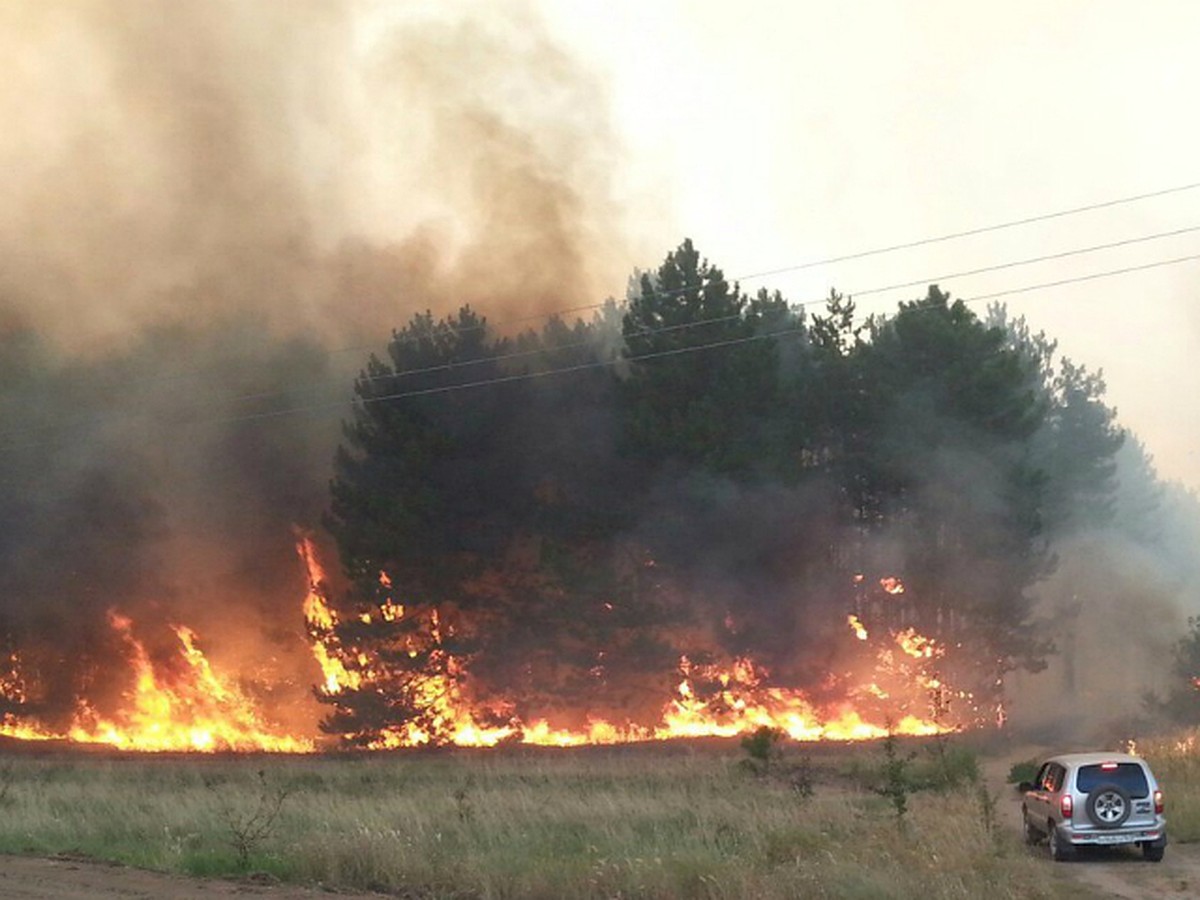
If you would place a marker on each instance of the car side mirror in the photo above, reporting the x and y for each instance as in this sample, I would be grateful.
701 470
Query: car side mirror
1025 786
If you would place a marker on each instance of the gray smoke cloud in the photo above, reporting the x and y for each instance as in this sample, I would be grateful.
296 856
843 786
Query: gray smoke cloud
1115 608
211 212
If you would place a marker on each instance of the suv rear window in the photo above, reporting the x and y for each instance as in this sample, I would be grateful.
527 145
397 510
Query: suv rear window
1126 775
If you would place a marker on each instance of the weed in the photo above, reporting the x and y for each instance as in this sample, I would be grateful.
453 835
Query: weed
800 777
7 776
651 822
896 785
249 828
462 800
987 807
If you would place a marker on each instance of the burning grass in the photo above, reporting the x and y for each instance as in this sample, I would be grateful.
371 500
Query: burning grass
679 820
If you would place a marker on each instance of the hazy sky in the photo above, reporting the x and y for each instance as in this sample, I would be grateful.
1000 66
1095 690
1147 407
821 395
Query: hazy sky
344 164
775 133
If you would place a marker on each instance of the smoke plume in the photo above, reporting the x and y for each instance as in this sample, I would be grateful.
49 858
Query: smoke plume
211 212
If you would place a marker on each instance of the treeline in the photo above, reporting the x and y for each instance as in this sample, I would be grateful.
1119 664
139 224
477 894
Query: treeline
699 471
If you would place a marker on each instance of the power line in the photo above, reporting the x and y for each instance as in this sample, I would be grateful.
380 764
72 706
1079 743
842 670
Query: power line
262 395
984 229
879 251
1082 278
515 355
520 354
598 364
1024 262
810 264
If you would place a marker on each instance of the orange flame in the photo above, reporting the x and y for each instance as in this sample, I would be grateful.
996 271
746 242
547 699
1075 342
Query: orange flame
735 698
193 708
917 645
190 706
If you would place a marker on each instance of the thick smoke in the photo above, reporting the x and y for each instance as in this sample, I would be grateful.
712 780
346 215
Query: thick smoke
211 212
1115 608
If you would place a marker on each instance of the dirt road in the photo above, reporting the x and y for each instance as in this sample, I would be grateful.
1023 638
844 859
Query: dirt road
1106 873
31 878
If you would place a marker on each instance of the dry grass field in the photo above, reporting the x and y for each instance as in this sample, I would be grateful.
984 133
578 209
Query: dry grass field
664 821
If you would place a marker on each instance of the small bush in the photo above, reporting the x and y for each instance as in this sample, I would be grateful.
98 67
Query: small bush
946 770
1025 770
761 748
896 778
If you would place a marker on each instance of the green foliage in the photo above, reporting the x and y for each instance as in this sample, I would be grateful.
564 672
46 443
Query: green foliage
1182 702
563 528
896 782
950 768
943 461
761 747
1024 770
704 385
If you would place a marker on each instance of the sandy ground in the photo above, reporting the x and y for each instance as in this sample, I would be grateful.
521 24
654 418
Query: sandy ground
1106 872
31 878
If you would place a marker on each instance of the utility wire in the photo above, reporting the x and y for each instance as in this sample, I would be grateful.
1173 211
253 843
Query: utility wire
1021 262
810 264
575 345
877 251
984 229
597 364
520 354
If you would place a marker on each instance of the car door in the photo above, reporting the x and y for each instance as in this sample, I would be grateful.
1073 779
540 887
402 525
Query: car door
1056 776
1037 801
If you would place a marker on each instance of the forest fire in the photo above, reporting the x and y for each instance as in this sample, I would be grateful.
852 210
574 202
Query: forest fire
180 706
710 700
179 702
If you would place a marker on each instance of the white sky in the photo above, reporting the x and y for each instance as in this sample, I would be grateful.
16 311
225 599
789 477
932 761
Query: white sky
775 133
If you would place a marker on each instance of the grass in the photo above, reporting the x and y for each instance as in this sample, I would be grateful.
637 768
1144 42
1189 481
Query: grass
672 822
1175 760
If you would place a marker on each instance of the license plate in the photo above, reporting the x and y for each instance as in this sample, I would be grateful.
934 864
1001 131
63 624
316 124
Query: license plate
1114 838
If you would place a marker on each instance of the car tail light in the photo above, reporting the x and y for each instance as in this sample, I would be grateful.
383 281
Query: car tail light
1066 805
1108 766
1158 802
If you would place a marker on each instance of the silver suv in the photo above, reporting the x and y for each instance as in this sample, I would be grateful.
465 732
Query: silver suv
1095 799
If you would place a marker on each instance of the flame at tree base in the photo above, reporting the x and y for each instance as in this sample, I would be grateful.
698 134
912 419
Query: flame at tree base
734 699
184 704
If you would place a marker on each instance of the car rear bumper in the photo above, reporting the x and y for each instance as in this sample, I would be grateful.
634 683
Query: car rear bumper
1116 836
